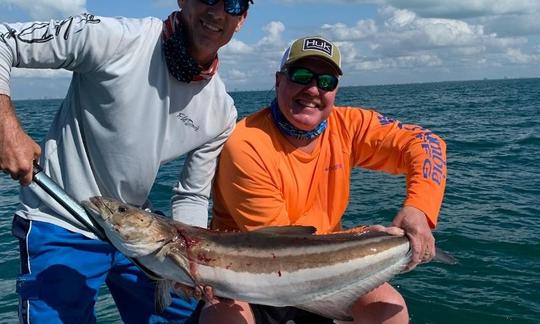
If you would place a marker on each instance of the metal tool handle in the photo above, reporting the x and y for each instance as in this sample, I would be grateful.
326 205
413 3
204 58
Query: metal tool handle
65 200
72 206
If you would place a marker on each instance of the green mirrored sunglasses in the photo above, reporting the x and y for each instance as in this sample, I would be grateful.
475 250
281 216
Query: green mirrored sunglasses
304 76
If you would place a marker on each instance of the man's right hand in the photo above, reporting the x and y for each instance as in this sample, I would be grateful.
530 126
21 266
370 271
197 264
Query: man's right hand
18 151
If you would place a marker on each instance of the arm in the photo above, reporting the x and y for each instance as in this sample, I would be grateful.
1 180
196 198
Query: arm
191 194
65 44
17 149
386 145
80 43
421 155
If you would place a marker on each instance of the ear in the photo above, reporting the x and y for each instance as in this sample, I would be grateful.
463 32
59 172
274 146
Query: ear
241 22
277 80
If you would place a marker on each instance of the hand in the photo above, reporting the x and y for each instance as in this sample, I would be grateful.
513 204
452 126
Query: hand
414 222
17 150
199 292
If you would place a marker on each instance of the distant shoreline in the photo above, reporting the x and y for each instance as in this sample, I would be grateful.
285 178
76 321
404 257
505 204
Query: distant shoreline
349 86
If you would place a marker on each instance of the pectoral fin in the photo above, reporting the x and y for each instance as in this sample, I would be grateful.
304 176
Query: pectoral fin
162 295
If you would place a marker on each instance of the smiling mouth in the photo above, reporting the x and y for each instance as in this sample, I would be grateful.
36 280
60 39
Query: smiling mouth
212 27
307 103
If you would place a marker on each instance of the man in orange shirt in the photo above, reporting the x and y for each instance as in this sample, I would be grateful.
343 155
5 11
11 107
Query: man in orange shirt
290 164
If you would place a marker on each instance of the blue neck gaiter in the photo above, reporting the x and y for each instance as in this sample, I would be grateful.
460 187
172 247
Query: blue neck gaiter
288 129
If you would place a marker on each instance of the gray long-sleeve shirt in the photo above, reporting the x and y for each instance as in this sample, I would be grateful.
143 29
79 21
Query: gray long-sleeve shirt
123 115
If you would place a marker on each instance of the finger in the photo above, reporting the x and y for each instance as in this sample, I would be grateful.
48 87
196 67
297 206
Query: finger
198 292
208 292
417 250
26 179
396 231
427 255
377 228
392 230
429 252
183 290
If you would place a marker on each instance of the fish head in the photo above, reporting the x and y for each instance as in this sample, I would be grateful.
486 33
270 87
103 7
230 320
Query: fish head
131 230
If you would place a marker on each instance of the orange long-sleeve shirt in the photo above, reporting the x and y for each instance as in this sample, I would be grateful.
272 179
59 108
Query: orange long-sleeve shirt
263 180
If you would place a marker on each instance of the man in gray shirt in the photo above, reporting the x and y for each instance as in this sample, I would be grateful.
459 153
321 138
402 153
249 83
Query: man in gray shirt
143 92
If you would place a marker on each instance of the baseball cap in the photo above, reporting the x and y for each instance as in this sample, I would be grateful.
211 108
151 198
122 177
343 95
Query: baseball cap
312 46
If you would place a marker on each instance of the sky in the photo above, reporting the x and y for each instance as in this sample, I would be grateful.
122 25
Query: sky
381 41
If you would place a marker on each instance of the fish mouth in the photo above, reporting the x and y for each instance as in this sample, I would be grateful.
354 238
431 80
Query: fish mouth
96 206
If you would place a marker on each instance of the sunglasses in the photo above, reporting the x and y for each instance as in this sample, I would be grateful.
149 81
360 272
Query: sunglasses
303 76
232 7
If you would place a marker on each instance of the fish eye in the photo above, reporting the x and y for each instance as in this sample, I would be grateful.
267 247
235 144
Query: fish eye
122 209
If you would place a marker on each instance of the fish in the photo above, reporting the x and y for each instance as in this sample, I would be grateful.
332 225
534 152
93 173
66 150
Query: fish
276 266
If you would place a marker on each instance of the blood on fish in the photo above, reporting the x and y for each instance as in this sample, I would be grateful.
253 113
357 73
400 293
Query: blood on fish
203 258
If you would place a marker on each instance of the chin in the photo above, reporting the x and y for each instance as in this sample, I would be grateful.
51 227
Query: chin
305 127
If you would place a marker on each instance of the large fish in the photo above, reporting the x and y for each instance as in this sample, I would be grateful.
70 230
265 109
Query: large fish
278 266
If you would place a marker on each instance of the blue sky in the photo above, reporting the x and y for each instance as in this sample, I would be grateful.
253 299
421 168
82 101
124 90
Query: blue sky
382 41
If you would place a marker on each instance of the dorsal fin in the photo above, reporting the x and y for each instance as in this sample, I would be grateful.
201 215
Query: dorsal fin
287 230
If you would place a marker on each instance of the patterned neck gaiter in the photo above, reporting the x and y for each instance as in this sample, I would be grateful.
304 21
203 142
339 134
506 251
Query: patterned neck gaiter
179 63
288 129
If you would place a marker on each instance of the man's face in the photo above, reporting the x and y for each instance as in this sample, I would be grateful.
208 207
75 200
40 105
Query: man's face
305 106
209 28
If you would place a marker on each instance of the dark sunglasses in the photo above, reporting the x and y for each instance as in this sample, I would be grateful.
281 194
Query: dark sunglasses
300 75
232 7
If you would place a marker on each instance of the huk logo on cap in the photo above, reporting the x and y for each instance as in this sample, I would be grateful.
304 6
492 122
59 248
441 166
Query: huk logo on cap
318 44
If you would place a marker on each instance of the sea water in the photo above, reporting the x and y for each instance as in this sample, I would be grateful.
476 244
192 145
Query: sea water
489 221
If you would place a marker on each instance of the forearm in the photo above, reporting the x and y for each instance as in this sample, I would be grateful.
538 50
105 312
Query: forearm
426 176
387 145
190 209
17 149
9 124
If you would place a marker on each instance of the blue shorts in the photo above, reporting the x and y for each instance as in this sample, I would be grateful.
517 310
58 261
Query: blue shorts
62 271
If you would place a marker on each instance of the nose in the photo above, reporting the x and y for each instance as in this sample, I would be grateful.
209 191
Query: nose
217 11
311 88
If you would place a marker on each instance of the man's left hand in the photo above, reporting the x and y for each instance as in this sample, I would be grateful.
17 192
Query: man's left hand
414 222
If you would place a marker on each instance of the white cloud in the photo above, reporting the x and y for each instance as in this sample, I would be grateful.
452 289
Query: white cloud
466 8
47 9
235 47
516 56
402 40
340 31
252 66
237 75
274 29
447 9
348 52
410 37
404 32
513 25
407 62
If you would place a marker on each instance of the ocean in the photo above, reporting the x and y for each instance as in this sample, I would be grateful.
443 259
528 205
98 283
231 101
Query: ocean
489 221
